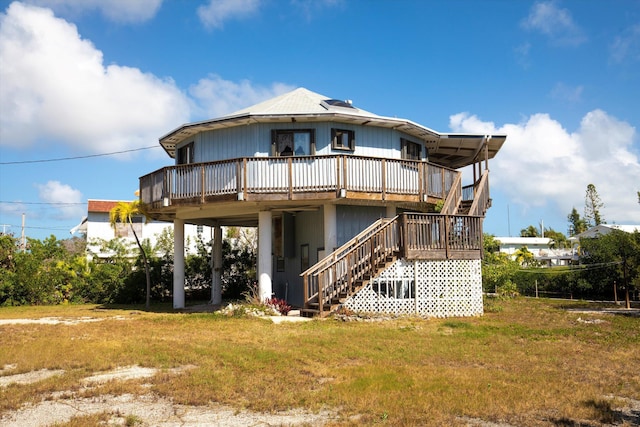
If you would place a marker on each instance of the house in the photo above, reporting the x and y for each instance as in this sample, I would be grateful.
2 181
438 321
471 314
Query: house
96 227
540 248
353 209
602 229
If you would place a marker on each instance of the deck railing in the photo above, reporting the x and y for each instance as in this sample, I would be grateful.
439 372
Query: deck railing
410 235
285 177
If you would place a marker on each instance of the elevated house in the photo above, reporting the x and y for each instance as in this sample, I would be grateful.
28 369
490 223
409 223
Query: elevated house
352 208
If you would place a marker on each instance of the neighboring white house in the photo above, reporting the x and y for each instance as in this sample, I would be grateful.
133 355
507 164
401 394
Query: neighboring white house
540 247
96 227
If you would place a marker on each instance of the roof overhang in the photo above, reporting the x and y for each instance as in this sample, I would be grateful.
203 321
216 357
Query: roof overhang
450 150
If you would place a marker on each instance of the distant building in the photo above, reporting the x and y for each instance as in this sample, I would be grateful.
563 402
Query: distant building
96 227
603 229
541 249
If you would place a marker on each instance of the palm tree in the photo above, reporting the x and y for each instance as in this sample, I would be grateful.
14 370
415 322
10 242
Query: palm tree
123 212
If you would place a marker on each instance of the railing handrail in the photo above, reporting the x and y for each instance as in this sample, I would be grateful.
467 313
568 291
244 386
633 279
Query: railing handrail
453 197
481 198
350 246
329 172
357 240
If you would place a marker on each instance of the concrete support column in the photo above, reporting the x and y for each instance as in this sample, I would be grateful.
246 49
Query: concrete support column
265 262
178 263
391 210
330 228
216 276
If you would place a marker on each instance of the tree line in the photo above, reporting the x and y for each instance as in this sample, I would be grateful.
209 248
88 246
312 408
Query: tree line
608 266
53 271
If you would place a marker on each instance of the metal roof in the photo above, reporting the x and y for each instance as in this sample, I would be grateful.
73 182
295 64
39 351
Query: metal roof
303 105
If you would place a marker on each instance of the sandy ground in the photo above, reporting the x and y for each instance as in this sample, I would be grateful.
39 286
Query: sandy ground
149 409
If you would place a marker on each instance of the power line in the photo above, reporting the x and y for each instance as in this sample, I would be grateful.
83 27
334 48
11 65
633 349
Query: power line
36 228
46 203
572 269
78 157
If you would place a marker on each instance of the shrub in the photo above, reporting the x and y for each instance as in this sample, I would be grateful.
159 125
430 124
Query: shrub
279 305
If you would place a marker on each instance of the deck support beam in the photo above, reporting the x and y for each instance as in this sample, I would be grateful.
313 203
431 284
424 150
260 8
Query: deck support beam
265 262
178 263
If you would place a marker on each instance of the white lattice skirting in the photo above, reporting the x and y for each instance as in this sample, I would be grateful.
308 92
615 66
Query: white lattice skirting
450 288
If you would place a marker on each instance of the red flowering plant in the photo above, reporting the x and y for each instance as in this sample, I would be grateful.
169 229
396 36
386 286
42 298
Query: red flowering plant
279 305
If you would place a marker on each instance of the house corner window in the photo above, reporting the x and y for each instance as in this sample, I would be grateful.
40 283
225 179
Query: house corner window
343 139
185 154
410 150
298 142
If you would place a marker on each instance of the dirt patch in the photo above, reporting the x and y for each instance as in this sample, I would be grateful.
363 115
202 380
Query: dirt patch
149 409
57 320
153 411
28 377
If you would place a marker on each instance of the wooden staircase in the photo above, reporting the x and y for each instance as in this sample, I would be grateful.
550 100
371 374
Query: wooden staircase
351 267
454 233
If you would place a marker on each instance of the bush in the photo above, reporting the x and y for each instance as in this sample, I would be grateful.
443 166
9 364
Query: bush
279 305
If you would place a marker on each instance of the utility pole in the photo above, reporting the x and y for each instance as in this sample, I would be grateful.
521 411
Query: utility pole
23 243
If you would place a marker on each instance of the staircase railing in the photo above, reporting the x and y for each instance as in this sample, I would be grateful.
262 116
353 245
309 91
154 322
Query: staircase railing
454 197
481 199
355 261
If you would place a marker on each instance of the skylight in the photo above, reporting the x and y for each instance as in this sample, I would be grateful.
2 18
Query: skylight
339 103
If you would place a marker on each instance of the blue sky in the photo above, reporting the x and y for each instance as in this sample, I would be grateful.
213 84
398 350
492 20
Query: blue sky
85 78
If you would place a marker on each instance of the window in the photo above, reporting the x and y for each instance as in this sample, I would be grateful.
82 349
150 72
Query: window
398 289
343 139
411 150
185 154
299 142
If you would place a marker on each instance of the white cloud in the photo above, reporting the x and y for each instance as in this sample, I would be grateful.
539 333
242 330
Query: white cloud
65 199
626 46
56 87
124 11
555 23
544 165
218 97
214 14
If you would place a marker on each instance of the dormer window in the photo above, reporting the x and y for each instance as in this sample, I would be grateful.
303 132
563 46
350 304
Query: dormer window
297 142
343 139
410 150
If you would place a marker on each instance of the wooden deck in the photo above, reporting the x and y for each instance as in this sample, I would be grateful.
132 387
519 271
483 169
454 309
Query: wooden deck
297 178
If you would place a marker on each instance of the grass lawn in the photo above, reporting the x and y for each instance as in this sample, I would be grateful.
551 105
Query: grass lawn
525 362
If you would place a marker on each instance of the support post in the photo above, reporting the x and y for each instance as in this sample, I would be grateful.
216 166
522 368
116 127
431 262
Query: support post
330 228
216 276
178 263
391 210
265 263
